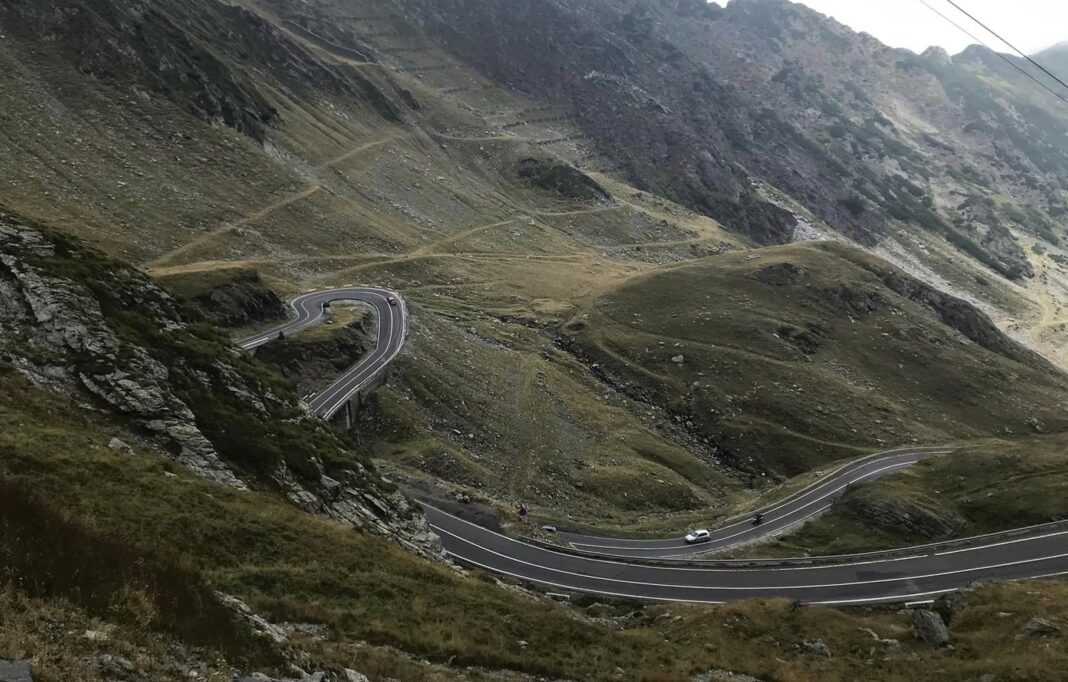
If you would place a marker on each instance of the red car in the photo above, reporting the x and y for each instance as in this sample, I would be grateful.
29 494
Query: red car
391 300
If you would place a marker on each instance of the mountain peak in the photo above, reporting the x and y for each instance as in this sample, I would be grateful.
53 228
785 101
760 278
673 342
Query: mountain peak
938 54
1059 48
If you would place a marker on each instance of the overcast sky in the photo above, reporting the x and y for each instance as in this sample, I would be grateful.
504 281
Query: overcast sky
1030 24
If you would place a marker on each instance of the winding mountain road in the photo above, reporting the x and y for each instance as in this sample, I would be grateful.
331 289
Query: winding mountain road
667 569
779 517
310 308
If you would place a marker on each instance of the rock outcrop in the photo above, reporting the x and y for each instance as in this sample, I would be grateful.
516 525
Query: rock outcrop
75 323
241 302
15 671
905 516
929 628
317 361
56 335
1038 627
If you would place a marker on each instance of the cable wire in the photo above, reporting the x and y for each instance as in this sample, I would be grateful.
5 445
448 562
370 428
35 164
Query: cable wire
1004 58
1017 50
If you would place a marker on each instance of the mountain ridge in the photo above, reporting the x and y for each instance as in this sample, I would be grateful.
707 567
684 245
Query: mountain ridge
662 260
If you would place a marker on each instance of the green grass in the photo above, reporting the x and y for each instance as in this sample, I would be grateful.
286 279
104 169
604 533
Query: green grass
796 356
335 324
290 566
49 554
991 486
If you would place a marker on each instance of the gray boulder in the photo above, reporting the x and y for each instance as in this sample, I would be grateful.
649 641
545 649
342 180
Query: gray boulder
929 628
15 671
120 446
599 610
815 647
1038 627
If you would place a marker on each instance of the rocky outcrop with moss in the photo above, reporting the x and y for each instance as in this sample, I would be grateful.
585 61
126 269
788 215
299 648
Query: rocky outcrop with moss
906 516
78 324
234 297
315 361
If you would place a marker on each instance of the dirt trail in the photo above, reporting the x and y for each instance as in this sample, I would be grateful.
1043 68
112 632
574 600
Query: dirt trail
661 245
1053 311
432 247
358 150
226 228
483 138
533 431
1043 333
581 211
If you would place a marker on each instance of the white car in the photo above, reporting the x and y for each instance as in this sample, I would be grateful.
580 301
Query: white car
698 536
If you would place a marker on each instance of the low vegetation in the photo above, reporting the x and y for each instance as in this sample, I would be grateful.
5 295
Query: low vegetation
983 488
48 554
291 567
790 357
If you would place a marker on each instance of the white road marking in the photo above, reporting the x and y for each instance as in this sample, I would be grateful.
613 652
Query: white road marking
827 479
327 402
893 467
748 588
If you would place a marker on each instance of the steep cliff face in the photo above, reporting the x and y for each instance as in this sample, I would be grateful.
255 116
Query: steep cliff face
666 120
75 323
206 56
230 297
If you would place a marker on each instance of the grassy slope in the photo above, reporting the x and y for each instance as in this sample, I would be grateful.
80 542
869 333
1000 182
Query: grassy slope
435 206
292 567
289 565
991 486
497 408
829 361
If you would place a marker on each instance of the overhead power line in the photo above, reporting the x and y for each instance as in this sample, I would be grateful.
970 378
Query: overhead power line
1003 57
1016 49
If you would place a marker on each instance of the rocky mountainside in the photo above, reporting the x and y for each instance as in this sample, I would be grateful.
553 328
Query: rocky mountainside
770 91
99 333
767 102
588 206
512 175
1055 59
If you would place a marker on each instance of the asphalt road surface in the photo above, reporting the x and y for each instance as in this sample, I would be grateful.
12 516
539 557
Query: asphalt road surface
779 517
655 569
310 308
918 577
